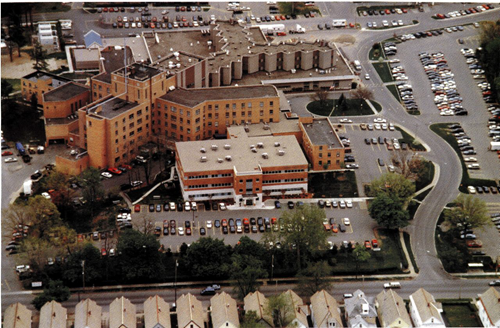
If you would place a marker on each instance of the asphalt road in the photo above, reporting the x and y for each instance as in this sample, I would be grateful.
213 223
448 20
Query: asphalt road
431 275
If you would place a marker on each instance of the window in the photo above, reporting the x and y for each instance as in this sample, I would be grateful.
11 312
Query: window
181 111
261 104
173 109
227 106
234 106
320 155
249 113
116 124
197 112
139 113
243 113
249 105
209 107
271 103
216 107
271 112
131 117
138 94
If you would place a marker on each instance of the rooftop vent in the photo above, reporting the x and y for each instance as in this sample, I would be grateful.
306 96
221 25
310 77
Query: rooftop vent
203 159
252 146
254 150
228 158
281 152
265 155
227 146
203 150
260 145
220 160
276 144
214 147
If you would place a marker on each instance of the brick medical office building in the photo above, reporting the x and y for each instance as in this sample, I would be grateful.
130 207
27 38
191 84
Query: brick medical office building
242 169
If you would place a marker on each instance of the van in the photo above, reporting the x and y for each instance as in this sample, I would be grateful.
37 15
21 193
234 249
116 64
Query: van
392 285
357 65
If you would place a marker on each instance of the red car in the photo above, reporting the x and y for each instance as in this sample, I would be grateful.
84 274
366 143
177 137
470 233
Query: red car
224 222
128 167
367 244
188 231
7 153
404 10
281 34
114 170
283 17
103 252
387 12
335 228
374 243
137 208
277 17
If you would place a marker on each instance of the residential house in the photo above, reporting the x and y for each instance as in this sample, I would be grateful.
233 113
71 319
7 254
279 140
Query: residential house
360 311
325 312
53 315
122 314
488 305
257 302
189 312
224 311
17 316
391 310
300 310
425 311
88 314
156 313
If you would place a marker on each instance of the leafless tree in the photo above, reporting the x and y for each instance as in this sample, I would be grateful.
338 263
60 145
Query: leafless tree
320 95
408 164
144 224
362 93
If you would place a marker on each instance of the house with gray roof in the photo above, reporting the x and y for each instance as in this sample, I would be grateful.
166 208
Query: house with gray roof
425 311
88 314
224 311
53 315
189 312
17 316
325 311
488 305
122 314
360 311
391 310
156 313
257 302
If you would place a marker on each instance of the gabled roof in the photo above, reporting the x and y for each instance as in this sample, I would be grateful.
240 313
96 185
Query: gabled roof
491 303
122 314
189 309
92 37
224 310
156 312
53 315
299 310
17 316
88 314
426 305
257 302
360 305
325 309
391 307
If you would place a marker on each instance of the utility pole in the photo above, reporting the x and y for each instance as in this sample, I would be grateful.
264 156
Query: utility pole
83 278
175 283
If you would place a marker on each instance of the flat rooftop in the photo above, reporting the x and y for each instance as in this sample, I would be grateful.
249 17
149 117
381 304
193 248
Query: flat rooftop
59 121
111 108
284 126
193 97
136 45
114 58
39 75
320 132
138 72
65 92
242 158
103 77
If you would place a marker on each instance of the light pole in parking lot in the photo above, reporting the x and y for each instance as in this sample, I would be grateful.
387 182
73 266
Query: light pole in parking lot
175 283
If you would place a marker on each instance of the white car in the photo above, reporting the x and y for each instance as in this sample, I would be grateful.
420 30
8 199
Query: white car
180 231
187 206
345 120
470 159
473 166
135 183
342 204
209 224
367 76
172 206
471 189
106 175
384 126
379 120
346 221
377 126
10 160
164 12
133 25
222 207
385 23
400 22
348 203
46 195
391 127
351 166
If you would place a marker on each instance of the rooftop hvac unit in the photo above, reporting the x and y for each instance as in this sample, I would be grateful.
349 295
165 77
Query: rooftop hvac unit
266 127
265 155
220 160
252 146
281 152
214 147
247 129
203 150
228 158
260 145
254 150
203 159
227 146
276 144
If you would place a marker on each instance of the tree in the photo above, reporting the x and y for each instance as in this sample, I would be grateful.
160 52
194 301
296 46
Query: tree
362 93
93 265
470 212
360 254
35 252
6 89
45 215
313 278
251 320
144 224
39 55
280 309
409 164
63 194
246 269
388 212
55 291
304 231
139 258
92 190
15 216
320 96
342 103
208 257
394 185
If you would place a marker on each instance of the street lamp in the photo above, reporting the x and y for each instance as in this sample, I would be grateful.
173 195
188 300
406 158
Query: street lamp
175 282
83 275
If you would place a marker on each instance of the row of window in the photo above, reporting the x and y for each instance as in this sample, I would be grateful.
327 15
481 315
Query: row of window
329 154
216 194
285 171
283 180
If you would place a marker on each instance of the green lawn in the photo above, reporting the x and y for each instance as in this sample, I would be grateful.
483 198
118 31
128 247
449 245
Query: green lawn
383 71
299 8
422 195
460 315
394 90
388 260
427 179
16 84
410 140
375 54
442 131
354 107
406 237
333 184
